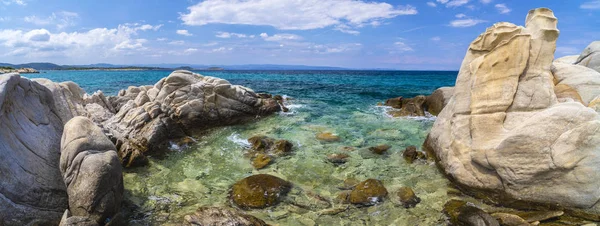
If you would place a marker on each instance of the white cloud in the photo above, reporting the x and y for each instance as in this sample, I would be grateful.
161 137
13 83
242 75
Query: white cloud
400 47
190 50
293 15
136 44
184 32
485 1
460 15
443 1
432 4
456 3
146 27
349 30
222 34
466 22
16 2
179 42
502 9
280 37
162 39
436 39
331 48
221 50
591 5
61 19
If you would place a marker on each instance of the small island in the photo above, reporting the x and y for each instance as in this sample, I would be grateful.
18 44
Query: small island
5 69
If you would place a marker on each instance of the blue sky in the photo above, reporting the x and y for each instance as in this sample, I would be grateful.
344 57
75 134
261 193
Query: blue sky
398 34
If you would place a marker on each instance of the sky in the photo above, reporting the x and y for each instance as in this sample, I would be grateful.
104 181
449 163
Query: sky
359 34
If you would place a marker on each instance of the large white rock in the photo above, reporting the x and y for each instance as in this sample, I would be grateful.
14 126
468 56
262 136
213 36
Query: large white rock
590 57
505 133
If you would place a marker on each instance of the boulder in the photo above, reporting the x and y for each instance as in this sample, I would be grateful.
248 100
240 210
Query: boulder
462 213
261 161
368 193
567 59
590 57
268 145
91 172
338 158
380 149
259 191
411 154
438 99
328 137
505 136
31 186
411 107
407 197
584 81
180 104
205 216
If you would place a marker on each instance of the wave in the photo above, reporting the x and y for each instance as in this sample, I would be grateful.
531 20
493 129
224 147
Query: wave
235 138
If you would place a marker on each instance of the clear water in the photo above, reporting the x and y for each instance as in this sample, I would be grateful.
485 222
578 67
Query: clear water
341 102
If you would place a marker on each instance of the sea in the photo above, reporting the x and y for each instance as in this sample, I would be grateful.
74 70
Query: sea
345 103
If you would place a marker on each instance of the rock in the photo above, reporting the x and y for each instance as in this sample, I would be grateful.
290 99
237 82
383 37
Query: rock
595 104
347 148
394 102
261 161
380 149
565 93
328 137
349 184
504 134
91 171
407 197
582 80
180 104
567 59
368 193
411 107
267 145
338 158
590 57
31 187
343 197
411 154
533 216
507 219
206 216
461 213
438 99
259 191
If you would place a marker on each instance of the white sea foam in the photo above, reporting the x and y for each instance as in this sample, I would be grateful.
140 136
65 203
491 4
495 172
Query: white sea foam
235 138
293 109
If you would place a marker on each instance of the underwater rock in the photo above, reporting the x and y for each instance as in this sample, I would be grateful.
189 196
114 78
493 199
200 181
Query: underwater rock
261 161
368 193
180 104
407 197
461 213
259 191
328 137
207 216
349 184
380 149
438 99
338 158
505 135
507 219
91 171
343 197
411 154
267 145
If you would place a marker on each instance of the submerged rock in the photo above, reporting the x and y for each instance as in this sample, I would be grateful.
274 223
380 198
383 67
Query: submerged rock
261 161
461 213
411 154
380 149
267 145
407 197
259 191
206 216
328 137
368 193
184 102
91 171
338 158
505 136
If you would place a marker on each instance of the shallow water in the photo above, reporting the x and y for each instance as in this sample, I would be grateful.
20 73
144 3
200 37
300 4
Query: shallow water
341 102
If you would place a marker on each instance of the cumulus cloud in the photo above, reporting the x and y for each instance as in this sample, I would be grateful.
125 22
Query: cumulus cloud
222 34
466 22
178 42
432 4
442 1
456 3
61 19
16 2
590 5
502 9
293 15
280 37
184 32
460 15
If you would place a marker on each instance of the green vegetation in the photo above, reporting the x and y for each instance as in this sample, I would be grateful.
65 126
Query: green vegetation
6 68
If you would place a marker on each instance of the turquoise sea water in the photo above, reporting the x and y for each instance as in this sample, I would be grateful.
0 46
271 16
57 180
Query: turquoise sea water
341 102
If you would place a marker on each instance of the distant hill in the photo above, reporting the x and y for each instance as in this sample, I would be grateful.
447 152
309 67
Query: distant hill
51 66
37 66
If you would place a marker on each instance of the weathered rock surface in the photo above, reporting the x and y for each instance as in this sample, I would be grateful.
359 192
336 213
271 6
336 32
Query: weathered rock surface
411 154
590 57
31 186
177 105
407 197
584 81
506 135
439 99
259 191
462 213
417 106
411 107
206 216
91 171
368 193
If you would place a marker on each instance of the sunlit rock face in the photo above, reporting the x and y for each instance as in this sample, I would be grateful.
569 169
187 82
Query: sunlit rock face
518 126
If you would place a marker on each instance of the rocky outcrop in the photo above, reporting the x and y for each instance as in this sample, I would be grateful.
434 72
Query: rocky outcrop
590 57
439 99
417 106
184 102
31 186
506 135
91 172
20 71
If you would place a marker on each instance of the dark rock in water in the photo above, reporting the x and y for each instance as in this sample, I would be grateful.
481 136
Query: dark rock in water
278 98
259 191
380 149
261 161
343 197
267 145
438 99
349 184
368 193
264 95
411 107
394 102
328 137
507 219
347 148
407 197
282 147
338 158
461 213
411 154
209 216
